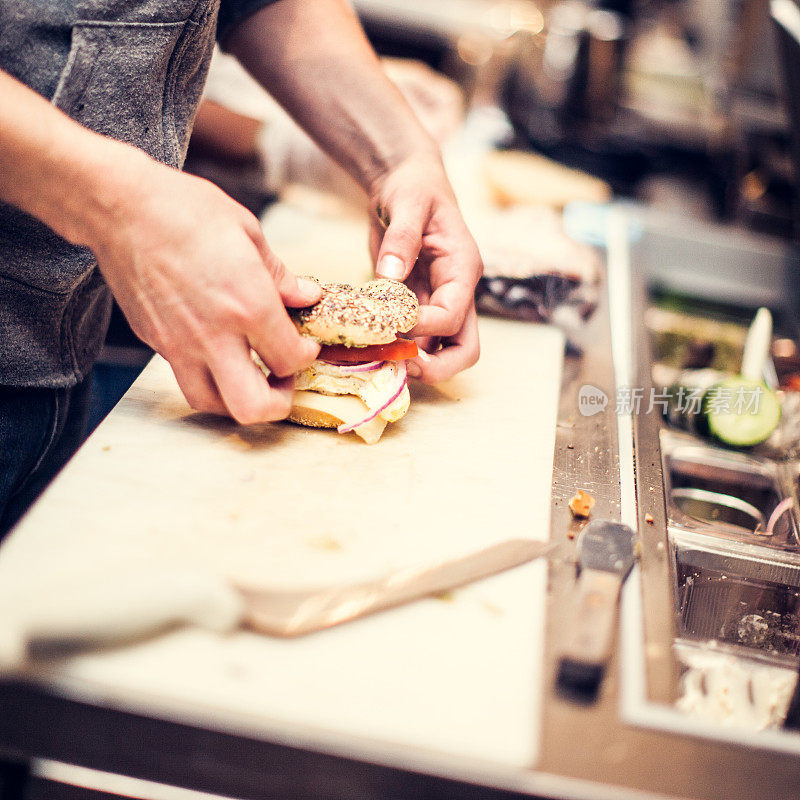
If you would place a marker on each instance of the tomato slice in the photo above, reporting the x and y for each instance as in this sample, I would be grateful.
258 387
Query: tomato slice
398 350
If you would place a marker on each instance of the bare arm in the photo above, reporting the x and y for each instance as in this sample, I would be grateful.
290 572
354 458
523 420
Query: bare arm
189 266
315 59
49 165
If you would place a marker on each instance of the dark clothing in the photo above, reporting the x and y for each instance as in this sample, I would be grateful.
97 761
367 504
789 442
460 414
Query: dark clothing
133 70
39 430
130 69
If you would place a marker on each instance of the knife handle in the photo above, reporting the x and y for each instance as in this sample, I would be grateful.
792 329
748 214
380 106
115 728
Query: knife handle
97 611
589 646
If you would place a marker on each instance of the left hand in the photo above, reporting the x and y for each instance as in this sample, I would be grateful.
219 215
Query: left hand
424 242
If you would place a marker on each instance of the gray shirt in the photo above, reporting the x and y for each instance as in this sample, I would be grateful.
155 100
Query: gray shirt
130 69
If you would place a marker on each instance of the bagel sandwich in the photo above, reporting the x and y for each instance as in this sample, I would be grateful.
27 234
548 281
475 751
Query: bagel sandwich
358 383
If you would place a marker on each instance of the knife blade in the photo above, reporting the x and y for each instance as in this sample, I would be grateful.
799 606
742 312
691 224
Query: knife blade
297 613
606 553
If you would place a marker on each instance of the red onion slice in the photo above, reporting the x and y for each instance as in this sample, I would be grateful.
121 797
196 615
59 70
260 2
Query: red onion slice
395 393
779 511
369 366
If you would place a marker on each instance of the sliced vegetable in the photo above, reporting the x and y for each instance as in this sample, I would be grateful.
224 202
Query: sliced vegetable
394 392
779 511
398 350
350 369
741 412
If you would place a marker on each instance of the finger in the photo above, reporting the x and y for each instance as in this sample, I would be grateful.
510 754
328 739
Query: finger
294 292
198 388
298 292
461 352
419 283
283 391
376 231
275 338
445 312
402 241
284 386
247 394
426 346
430 344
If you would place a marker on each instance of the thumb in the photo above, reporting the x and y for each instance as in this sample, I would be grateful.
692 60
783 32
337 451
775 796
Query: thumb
401 242
298 292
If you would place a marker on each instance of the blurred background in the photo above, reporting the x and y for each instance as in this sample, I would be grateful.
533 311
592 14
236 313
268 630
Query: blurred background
677 103
679 109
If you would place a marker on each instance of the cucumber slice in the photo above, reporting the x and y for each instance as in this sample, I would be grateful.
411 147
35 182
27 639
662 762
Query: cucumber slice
741 412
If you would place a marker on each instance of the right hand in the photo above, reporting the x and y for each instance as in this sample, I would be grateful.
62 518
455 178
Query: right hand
193 274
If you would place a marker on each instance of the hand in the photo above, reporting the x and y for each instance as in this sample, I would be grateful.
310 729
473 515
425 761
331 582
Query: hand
193 274
419 236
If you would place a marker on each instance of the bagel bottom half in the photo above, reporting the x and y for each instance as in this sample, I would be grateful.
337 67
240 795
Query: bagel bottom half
316 410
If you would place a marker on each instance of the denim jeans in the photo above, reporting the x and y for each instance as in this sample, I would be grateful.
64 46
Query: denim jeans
40 429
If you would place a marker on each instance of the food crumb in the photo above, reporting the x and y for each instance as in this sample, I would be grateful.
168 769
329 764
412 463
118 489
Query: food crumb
327 544
445 597
649 519
581 504
106 448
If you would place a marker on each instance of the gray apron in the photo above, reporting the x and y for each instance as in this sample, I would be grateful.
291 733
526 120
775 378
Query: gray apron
133 70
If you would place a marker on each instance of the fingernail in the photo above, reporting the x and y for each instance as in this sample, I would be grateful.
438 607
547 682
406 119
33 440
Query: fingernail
310 289
392 267
414 369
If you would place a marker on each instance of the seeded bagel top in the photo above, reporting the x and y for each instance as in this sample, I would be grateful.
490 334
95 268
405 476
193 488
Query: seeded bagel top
359 316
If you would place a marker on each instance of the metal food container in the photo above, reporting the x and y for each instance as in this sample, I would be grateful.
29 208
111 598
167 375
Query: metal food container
727 495
737 601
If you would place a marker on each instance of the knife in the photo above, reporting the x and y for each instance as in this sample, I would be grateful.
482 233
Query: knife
132 603
606 552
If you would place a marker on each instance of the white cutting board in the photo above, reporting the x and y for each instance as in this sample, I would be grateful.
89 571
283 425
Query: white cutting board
469 465
280 505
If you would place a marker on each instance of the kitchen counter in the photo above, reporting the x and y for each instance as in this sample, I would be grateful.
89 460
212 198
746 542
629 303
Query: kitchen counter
448 697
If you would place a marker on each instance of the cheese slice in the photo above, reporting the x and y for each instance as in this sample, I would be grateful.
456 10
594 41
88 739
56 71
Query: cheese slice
329 411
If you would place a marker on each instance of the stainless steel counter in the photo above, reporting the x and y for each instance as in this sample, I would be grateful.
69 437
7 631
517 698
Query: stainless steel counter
630 743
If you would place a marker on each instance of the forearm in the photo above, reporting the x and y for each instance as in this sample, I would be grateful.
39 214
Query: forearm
52 167
316 61
188 266
220 131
